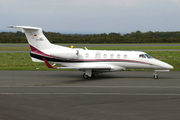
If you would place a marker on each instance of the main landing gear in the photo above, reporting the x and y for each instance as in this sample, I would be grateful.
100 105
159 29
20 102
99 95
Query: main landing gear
85 76
88 74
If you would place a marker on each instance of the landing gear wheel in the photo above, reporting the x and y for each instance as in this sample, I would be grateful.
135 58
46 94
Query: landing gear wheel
155 76
85 76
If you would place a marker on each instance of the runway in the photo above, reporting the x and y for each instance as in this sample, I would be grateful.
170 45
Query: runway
66 95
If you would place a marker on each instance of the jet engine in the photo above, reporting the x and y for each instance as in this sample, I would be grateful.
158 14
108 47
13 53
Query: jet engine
65 54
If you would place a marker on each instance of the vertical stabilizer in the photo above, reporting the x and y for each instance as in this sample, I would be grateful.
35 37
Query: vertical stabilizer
39 44
36 38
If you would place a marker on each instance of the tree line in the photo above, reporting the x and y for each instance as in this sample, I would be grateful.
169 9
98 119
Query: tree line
134 37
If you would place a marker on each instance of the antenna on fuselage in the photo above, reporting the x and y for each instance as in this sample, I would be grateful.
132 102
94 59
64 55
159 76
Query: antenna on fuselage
85 48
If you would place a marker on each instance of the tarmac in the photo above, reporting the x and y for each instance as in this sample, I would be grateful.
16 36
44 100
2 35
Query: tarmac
65 95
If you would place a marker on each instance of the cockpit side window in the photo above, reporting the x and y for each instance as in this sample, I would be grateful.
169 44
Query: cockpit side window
148 56
142 56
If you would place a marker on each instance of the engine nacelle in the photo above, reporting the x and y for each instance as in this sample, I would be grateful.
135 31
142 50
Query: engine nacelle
65 53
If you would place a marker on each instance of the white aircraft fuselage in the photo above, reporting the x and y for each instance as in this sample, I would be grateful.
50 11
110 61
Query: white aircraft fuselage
91 62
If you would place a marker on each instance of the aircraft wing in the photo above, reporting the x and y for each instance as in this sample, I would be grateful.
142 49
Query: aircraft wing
79 68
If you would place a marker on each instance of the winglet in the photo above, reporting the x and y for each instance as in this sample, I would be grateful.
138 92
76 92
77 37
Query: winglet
48 65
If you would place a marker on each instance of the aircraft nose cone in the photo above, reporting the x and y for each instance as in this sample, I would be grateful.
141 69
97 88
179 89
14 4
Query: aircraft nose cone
167 66
171 67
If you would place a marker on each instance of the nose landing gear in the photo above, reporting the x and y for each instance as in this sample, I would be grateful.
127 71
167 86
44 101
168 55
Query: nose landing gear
155 75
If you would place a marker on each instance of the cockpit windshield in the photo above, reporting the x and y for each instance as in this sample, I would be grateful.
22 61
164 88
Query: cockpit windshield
148 56
145 56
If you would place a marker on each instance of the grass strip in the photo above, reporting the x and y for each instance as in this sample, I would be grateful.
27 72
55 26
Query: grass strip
134 48
102 48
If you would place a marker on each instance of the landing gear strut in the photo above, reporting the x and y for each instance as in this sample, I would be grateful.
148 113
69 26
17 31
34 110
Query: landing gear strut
155 75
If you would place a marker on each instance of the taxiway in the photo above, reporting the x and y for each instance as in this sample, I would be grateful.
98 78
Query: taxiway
66 95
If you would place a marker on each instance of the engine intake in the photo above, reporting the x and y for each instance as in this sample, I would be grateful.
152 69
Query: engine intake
65 54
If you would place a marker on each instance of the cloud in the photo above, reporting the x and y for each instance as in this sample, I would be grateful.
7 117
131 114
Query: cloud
175 0
109 3
49 7
91 15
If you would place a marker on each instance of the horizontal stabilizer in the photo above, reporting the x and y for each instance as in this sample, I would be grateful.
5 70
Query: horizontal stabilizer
24 27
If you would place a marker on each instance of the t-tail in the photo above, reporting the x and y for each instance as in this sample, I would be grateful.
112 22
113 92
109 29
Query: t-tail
39 44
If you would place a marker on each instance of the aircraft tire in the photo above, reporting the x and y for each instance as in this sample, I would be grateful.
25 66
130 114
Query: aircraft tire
155 76
85 76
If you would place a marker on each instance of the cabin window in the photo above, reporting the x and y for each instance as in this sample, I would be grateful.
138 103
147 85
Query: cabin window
118 56
111 56
142 56
125 56
105 55
98 55
87 55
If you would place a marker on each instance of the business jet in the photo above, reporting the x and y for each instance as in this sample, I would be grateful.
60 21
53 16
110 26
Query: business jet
91 62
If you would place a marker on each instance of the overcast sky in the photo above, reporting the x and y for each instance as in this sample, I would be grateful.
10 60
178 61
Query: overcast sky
92 16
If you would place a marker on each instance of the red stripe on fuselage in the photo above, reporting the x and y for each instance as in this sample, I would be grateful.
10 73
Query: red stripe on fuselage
35 50
113 60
